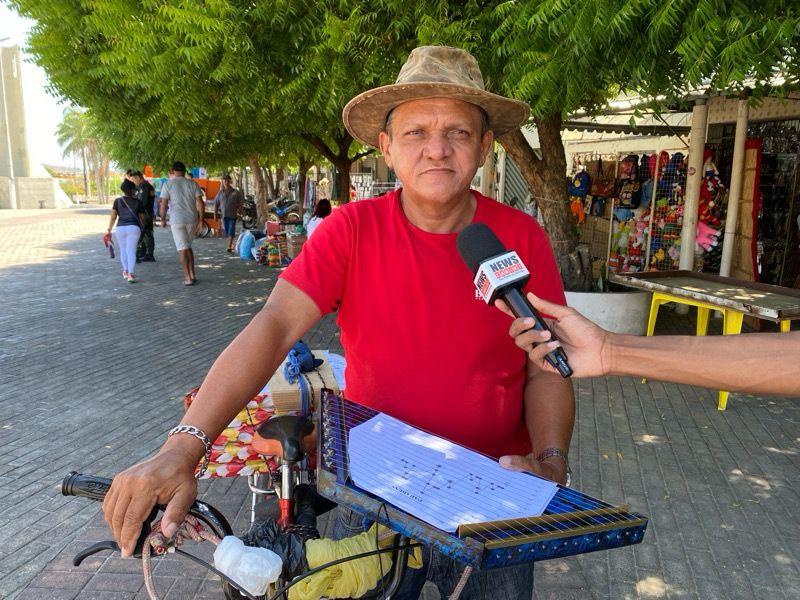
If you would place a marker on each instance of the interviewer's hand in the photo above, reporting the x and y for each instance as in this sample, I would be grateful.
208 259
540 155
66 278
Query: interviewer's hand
585 343
166 479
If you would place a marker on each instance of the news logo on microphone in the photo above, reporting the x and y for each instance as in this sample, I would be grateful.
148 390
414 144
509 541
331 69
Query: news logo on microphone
497 272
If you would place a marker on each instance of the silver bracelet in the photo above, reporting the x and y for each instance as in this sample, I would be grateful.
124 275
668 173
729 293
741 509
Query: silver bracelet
558 452
200 435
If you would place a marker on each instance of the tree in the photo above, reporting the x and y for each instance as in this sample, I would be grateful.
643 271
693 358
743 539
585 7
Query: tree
220 82
562 56
78 134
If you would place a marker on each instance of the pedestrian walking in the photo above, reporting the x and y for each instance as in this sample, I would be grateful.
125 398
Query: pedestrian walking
185 217
228 201
146 194
127 213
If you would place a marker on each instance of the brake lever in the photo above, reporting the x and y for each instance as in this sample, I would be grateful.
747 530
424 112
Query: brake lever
114 547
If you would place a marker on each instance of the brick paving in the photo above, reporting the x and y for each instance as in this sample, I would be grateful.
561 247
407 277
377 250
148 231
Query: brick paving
92 370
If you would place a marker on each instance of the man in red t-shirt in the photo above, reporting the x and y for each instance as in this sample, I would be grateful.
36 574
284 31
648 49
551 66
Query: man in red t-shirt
419 343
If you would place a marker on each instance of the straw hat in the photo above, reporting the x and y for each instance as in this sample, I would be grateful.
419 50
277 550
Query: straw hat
432 72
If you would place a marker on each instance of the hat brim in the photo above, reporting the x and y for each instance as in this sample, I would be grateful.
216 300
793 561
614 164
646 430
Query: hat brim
365 115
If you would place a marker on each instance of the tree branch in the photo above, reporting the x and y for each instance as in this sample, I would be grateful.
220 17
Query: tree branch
361 155
320 145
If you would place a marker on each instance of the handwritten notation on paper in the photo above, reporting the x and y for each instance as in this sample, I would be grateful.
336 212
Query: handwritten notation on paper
438 481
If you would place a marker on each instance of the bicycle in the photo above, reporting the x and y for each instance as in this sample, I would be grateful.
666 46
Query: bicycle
288 438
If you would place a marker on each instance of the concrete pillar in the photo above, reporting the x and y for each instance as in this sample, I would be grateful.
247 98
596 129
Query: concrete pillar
735 190
694 178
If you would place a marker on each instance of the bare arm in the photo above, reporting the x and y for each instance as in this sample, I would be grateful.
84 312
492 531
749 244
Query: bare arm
163 205
112 220
549 417
235 377
758 363
201 212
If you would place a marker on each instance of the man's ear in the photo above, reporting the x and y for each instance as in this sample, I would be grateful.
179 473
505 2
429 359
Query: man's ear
385 144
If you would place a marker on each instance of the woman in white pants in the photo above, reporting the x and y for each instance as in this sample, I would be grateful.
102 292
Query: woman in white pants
129 211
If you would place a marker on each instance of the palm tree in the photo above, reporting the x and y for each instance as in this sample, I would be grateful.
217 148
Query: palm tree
71 136
77 134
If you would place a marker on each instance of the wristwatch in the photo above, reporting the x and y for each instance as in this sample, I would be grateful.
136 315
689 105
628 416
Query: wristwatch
550 452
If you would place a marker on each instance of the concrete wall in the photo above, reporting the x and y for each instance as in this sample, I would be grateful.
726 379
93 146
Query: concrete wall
35 192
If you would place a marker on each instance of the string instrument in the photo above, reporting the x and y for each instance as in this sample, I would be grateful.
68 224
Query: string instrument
573 522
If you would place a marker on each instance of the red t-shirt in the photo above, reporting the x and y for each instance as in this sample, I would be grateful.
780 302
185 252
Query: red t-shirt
420 344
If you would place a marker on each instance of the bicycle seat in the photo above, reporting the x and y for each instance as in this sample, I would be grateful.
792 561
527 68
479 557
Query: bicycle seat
285 436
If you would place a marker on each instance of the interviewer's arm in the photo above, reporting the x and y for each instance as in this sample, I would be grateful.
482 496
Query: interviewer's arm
758 363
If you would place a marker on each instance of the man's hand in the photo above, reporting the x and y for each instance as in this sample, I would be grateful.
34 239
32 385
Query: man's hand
555 470
166 479
163 220
585 343
199 227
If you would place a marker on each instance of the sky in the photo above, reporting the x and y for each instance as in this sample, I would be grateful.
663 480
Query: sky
42 111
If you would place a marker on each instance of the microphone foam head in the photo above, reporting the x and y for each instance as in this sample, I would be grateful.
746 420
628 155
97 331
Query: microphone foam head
476 243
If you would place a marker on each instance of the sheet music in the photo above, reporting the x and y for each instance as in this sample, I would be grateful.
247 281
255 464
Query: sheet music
437 481
337 364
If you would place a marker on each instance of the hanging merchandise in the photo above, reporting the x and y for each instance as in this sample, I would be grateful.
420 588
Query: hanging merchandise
578 188
630 225
667 220
309 195
604 183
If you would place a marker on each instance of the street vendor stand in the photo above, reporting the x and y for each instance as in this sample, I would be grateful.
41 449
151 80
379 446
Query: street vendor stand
735 298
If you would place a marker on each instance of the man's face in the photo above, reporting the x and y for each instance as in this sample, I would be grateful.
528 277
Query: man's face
136 179
227 183
435 146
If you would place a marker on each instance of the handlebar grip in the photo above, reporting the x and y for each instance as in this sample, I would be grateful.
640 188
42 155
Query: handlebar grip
96 488
86 486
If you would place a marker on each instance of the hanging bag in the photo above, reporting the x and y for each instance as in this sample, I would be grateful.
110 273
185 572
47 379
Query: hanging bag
603 185
630 196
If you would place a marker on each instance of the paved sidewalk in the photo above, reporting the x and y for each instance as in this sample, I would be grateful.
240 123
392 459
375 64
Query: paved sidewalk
92 371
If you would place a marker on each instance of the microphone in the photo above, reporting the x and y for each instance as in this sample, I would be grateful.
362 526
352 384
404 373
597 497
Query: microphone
500 273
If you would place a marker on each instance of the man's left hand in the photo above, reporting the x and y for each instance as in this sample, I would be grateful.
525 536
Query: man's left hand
198 228
555 470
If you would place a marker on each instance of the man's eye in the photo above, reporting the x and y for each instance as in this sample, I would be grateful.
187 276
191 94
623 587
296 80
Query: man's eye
414 132
459 133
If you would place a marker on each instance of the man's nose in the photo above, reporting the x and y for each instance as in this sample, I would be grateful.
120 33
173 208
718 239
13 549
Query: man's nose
437 145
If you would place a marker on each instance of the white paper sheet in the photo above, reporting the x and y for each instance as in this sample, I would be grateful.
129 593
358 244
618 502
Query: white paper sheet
437 481
337 364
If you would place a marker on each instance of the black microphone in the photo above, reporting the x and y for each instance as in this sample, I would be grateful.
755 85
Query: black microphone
501 273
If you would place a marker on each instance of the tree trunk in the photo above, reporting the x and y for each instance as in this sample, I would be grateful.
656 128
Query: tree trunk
342 180
86 188
341 159
104 173
261 189
270 183
546 178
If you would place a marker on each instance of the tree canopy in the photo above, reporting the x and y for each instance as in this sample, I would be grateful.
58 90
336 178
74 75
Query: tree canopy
221 81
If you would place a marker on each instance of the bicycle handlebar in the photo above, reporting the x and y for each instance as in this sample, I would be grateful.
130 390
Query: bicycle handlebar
96 488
